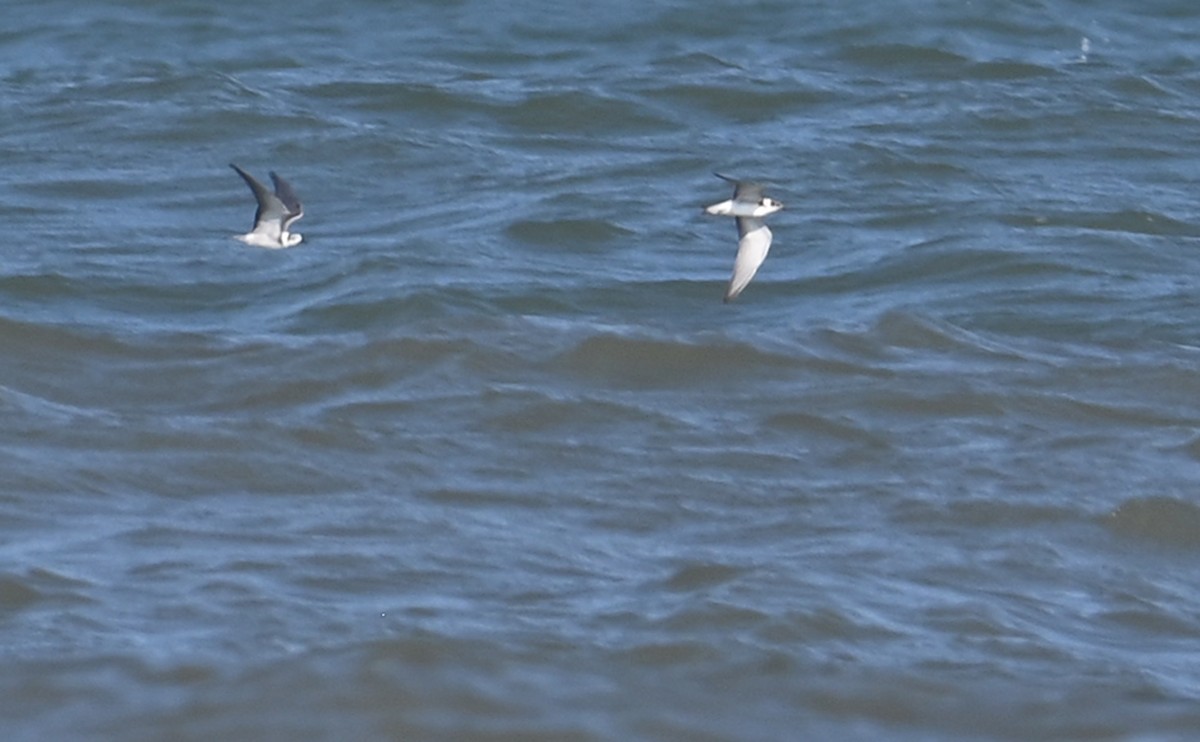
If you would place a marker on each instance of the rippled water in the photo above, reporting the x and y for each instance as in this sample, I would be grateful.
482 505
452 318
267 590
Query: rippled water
486 457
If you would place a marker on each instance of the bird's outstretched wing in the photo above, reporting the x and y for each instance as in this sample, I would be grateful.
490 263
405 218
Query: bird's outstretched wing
293 208
754 241
268 218
744 190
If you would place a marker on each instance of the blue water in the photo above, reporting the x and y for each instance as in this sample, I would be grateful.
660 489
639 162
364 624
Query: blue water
486 457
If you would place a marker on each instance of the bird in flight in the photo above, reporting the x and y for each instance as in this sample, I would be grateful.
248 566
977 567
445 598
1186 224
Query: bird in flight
275 215
749 206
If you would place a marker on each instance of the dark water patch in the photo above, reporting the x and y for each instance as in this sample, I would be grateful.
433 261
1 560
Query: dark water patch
526 412
443 102
371 311
42 342
42 588
86 189
909 163
571 298
256 120
948 265
911 331
484 499
567 233
893 56
693 577
415 688
204 531
88 698
1124 221
1009 70
209 456
16 593
580 112
836 428
741 101
1074 409
159 86
516 57
1002 511
854 345
1141 85
975 620
1153 620
322 378
1158 520
944 401
908 216
648 363
692 62
669 654
1191 448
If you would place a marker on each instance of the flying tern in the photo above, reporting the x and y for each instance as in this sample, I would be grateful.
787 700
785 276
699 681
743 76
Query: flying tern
275 215
749 206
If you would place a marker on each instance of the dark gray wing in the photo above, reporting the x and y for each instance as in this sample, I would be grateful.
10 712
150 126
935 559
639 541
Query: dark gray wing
744 190
283 190
268 204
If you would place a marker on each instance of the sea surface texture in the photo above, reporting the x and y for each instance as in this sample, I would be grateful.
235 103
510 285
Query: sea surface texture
487 458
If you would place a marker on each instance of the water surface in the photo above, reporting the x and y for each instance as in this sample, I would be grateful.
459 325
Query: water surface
487 458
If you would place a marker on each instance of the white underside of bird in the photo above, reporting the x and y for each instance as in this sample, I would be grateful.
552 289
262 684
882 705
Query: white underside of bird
754 242
270 240
741 208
